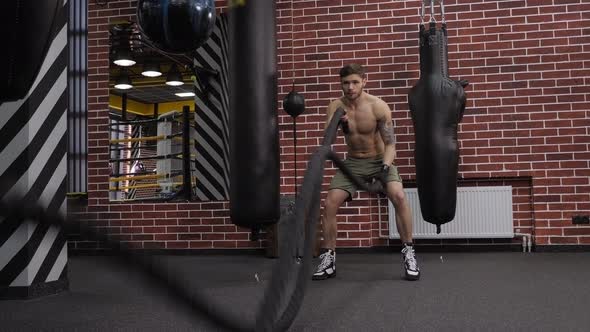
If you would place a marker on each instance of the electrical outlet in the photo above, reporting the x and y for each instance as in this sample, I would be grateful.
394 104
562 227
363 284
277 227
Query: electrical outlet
578 220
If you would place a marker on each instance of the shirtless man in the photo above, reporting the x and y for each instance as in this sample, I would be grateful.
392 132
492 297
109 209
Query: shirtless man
368 130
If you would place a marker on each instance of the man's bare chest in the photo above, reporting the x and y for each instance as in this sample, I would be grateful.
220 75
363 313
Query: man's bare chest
362 121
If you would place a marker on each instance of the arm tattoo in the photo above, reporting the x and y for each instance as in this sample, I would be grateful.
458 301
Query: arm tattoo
386 130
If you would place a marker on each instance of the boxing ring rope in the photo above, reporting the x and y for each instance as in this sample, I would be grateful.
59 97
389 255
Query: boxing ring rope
166 156
172 173
123 148
143 177
119 145
142 186
147 138
134 173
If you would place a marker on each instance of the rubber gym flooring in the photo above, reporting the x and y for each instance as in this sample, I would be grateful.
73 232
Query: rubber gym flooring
475 291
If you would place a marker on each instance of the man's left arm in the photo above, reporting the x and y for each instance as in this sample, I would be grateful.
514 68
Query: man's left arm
385 126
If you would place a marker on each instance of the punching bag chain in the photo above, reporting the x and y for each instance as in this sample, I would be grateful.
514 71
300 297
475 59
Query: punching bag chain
432 13
432 19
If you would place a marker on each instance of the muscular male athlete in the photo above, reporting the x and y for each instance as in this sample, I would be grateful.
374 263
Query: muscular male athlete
368 131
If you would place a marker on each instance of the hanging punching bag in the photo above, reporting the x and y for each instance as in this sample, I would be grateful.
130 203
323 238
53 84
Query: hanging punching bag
294 103
177 26
436 105
254 135
27 27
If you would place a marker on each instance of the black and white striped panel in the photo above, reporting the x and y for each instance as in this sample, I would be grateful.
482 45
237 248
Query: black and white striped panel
211 117
33 150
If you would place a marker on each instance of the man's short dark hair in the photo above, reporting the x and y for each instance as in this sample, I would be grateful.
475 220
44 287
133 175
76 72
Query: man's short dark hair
353 68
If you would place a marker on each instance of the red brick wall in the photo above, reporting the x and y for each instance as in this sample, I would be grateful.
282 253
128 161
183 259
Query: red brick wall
528 111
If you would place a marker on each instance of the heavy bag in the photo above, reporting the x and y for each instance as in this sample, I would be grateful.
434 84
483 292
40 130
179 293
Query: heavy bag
436 105
27 28
254 135
176 26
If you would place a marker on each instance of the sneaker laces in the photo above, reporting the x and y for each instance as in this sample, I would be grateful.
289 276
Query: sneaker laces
410 258
327 259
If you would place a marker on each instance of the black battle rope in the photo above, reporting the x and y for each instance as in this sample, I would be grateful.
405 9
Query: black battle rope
153 272
282 299
307 210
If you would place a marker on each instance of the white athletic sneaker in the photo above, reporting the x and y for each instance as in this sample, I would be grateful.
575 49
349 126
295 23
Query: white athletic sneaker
410 263
327 267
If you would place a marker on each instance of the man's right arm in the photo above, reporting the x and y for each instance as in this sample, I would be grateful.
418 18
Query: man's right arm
330 113
332 108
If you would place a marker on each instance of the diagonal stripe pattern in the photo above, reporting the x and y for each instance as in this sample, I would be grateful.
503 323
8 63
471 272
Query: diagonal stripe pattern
33 150
211 117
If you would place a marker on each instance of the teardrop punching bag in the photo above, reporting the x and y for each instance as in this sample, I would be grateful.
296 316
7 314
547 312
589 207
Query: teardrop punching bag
436 105
254 135
176 26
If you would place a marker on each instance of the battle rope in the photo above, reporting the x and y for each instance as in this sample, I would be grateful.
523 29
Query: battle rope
286 289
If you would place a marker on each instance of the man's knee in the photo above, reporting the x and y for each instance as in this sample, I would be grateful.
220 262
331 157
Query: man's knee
397 196
334 200
331 204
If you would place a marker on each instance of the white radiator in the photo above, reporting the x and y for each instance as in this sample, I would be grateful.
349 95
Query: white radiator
482 212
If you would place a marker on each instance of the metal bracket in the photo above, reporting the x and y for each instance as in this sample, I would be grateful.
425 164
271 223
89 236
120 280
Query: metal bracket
432 13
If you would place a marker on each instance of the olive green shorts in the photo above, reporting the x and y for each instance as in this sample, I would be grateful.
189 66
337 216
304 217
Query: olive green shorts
364 168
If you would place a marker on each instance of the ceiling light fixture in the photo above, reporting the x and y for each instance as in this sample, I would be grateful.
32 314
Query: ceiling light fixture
185 94
174 77
151 69
123 57
123 81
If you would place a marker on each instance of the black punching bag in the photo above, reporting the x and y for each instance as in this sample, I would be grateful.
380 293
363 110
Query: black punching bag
437 104
294 103
254 135
27 27
176 26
